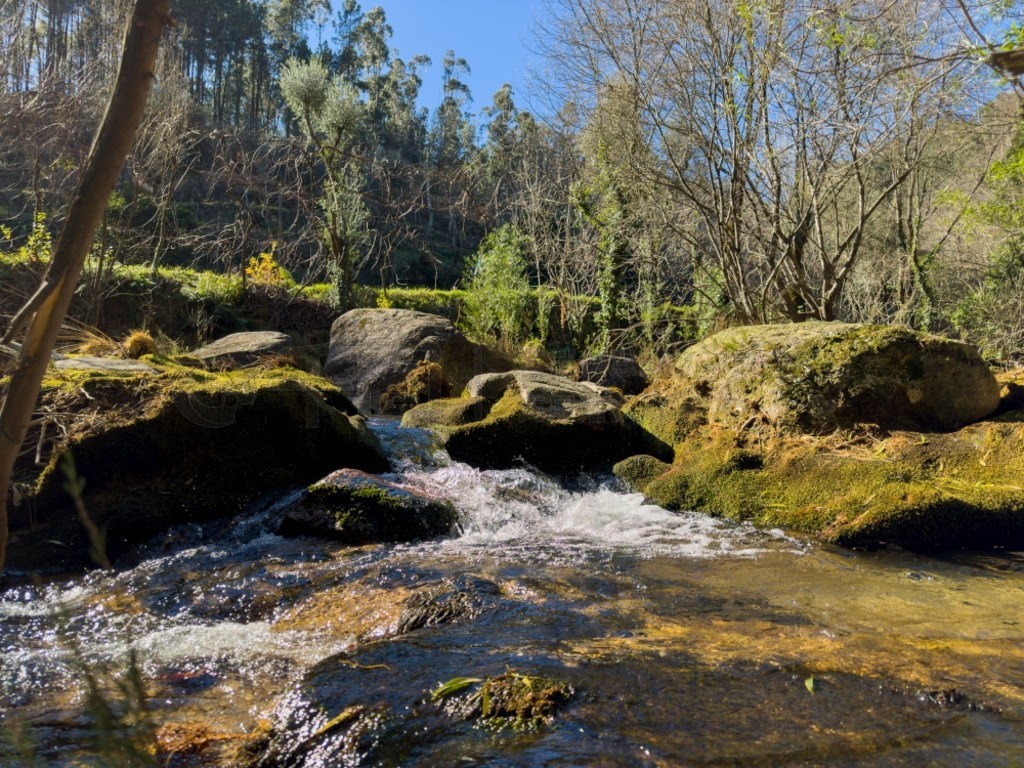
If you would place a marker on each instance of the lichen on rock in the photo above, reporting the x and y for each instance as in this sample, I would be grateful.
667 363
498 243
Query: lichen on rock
859 435
817 377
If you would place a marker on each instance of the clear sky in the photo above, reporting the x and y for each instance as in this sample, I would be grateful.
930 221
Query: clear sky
492 35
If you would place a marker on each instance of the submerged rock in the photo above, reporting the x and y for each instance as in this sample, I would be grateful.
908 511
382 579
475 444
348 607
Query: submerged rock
182 446
358 508
373 349
554 424
511 700
451 600
856 434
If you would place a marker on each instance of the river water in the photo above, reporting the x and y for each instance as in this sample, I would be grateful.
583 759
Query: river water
686 640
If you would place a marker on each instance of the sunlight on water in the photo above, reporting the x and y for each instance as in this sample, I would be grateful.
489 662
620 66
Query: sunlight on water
680 629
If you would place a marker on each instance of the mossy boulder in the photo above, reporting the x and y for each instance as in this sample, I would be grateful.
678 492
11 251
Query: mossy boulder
552 423
921 491
842 432
357 508
817 377
172 446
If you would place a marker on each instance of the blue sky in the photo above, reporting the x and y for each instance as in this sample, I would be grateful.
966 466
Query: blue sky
492 35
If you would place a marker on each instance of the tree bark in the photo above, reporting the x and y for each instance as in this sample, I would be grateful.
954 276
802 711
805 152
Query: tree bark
44 313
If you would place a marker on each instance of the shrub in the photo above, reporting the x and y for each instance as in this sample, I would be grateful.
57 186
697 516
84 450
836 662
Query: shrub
138 343
264 270
498 297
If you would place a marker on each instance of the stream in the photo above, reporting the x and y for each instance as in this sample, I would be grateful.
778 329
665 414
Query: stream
685 640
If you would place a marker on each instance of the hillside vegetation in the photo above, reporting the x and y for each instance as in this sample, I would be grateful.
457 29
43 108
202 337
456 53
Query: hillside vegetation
851 160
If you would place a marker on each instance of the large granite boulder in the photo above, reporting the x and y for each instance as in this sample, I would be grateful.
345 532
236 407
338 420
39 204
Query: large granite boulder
623 373
373 349
359 508
858 435
553 423
814 378
237 349
183 446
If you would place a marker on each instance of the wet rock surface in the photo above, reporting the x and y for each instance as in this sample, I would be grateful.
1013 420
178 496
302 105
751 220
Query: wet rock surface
358 508
148 447
548 421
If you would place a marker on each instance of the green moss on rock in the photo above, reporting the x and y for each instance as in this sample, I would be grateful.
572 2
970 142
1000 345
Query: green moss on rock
358 508
179 445
637 472
427 381
513 432
855 434
446 412
920 491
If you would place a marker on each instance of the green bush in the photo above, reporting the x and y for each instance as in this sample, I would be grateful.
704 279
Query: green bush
499 306
992 314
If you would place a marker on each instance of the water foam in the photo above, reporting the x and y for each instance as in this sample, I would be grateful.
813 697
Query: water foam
520 511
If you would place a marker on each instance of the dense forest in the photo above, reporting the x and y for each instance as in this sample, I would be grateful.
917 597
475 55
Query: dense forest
699 164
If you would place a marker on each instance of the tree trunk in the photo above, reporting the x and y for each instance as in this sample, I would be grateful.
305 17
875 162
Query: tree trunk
44 313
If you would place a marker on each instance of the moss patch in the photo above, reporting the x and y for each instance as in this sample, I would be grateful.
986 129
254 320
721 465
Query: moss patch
920 491
637 472
427 381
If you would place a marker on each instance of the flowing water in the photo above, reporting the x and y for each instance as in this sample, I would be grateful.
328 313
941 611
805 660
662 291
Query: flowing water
686 641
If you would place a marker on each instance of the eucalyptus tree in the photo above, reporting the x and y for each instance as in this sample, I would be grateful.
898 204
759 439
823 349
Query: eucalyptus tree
332 120
452 144
347 24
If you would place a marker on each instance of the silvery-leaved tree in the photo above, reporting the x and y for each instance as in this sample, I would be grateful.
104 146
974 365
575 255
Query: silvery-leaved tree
332 118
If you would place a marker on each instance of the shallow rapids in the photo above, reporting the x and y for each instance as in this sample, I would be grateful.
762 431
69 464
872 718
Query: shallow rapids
687 641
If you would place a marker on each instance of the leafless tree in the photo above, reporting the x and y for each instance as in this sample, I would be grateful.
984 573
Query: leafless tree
768 122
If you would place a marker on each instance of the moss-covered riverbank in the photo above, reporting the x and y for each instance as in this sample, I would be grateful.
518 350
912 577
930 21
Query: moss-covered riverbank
857 435
164 443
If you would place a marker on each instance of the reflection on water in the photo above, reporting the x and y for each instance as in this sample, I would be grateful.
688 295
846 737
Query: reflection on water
688 640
